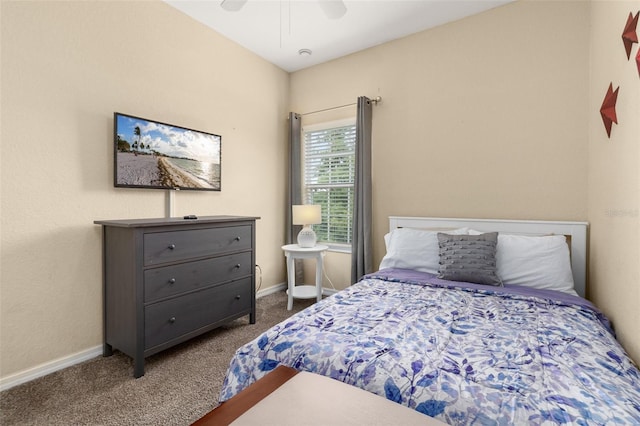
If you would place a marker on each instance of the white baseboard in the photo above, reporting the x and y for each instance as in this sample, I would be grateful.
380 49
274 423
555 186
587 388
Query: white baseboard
48 368
270 290
82 356
329 291
283 286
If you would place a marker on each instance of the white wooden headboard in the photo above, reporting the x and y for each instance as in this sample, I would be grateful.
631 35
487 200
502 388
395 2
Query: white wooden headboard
576 230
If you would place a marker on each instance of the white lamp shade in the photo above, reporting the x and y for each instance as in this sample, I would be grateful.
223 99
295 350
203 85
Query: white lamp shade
307 214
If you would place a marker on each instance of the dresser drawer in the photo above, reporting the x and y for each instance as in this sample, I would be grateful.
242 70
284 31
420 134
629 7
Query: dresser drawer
171 280
161 247
175 317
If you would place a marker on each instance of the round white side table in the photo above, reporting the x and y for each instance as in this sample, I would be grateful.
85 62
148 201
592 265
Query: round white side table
292 252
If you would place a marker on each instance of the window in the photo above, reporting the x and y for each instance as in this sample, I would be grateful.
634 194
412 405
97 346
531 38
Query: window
328 178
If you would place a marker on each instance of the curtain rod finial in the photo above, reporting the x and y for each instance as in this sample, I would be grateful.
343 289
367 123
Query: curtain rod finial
376 99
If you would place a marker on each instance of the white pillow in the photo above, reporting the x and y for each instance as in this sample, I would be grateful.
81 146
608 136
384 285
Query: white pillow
534 261
417 249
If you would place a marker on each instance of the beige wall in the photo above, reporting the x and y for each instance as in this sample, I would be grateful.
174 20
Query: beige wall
485 117
66 67
614 175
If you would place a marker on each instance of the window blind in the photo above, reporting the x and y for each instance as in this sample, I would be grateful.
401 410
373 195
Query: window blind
329 171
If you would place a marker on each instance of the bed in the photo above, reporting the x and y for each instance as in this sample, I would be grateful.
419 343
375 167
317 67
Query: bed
522 346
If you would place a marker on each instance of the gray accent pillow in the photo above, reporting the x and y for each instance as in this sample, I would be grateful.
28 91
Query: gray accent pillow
469 258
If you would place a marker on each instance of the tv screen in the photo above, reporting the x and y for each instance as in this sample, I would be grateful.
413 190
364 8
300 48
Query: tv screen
150 154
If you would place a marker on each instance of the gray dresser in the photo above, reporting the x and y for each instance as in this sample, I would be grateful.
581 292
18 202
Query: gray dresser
168 280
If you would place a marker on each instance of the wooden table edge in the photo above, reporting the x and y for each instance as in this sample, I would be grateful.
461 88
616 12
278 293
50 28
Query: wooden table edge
228 411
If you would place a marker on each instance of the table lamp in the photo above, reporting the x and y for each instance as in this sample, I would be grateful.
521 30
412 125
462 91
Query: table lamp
306 215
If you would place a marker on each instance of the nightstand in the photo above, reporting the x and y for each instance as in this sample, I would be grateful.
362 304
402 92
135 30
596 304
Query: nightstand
292 252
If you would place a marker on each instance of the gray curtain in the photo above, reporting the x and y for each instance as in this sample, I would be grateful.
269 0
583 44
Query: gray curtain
361 250
295 185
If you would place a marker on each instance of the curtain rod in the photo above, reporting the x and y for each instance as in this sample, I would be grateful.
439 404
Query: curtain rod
374 100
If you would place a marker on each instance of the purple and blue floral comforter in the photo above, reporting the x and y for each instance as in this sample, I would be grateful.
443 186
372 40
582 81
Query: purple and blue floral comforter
464 354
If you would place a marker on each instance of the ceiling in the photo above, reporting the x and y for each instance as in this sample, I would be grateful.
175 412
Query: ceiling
277 30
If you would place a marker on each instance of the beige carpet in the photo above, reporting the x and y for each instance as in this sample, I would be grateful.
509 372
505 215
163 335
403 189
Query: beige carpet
180 385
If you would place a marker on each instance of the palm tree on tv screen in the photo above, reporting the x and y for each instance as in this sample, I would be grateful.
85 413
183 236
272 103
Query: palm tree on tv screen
136 132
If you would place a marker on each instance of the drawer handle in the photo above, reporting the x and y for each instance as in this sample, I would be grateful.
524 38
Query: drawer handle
172 320
172 246
238 266
238 297
172 281
237 238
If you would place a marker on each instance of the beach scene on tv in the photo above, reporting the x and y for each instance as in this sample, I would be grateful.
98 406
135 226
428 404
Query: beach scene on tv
152 154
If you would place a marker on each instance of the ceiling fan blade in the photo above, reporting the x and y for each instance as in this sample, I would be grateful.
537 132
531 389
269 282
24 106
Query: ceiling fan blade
334 9
232 5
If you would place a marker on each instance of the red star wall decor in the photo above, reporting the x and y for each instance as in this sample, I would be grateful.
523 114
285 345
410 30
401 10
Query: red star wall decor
608 108
629 35
638 61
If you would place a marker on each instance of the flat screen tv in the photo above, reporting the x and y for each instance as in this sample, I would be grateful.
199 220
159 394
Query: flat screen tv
150 154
